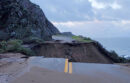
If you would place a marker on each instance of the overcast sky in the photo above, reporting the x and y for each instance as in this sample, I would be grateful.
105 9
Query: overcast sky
91 18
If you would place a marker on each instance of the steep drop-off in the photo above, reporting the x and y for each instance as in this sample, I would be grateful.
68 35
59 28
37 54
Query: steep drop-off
77 52
21 19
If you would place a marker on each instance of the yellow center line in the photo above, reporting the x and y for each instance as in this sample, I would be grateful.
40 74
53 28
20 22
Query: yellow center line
66 66
70 67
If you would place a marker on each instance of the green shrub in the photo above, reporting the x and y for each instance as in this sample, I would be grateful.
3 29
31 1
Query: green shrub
27 51
1 50
35 40
15 46
117 58
110 54
15 42
3 45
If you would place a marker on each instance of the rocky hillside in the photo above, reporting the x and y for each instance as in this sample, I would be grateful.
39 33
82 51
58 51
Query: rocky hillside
21 19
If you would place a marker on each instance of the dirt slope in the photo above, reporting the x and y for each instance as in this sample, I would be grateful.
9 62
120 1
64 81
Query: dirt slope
77 52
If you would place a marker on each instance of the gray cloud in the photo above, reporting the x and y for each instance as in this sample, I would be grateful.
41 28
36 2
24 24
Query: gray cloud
96 28
102 18
62 10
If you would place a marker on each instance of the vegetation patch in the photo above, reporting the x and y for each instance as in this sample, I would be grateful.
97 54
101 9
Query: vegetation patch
82 39
15 46
34 40
111 54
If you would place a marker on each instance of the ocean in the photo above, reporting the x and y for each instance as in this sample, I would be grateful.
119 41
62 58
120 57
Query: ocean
120 45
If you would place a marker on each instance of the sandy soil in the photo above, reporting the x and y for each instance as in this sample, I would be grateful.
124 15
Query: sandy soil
11 65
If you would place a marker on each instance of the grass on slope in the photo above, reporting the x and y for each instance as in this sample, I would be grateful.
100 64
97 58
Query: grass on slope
82 39
15 46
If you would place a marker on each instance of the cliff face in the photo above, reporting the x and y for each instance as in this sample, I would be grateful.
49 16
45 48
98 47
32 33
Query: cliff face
76 52
22 19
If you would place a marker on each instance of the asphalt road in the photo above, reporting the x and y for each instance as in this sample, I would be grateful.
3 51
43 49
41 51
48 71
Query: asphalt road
108 72
63 38
59 70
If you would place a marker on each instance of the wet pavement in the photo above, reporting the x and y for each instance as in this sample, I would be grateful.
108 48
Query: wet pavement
16 67
55 64
11 68
106 72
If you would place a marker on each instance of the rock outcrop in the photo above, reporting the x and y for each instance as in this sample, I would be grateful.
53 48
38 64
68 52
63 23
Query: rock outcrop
20 19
